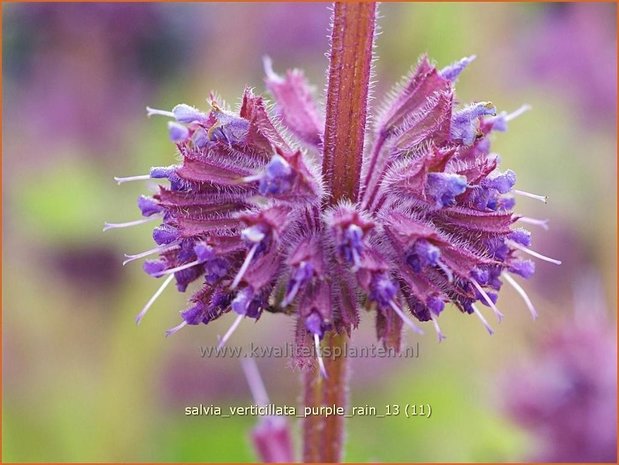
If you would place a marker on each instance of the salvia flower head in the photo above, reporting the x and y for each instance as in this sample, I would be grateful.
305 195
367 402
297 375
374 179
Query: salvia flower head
246 216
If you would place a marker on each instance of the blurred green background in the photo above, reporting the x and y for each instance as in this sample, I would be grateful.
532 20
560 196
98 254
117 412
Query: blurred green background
82 383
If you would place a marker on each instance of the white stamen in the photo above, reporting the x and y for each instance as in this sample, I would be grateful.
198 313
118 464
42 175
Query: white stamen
149 304
137 256
178 268
446 270
255 177
235 324
522 293
108 226
176 329
404 318
483 320
243 269
141 177
254 380
541 198
321 363
515 114
541 223
153 111
488 300
356 259
534 253
439 333
292 294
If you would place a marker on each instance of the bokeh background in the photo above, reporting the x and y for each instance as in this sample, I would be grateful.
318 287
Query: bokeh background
82 383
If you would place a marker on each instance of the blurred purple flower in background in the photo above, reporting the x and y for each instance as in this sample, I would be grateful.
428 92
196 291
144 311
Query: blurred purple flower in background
73 61
570 49
565 394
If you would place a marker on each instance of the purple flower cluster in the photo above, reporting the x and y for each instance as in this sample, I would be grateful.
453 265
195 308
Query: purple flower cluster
246 214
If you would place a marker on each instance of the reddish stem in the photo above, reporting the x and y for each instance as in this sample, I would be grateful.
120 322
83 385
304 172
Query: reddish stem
352 40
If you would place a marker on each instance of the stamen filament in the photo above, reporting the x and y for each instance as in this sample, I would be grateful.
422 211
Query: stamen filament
522 293
231 330
541 223
439 333
292 294
130 258
243 269
534 253
541 198
484 294
483 320
108 226
178 268
252 178
153 111
446 270
254 380
321 363
141 177
149 304
177 328
515 114
404 318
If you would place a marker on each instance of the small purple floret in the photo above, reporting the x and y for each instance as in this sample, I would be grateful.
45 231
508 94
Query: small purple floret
187 114
278 177
177 132
148 206
443 188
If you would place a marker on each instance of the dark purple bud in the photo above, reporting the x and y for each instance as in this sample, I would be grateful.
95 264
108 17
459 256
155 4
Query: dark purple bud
242 300
524 268
481 275
314 324
165 234
148 206
194 315
204 252
154 267
498 249
162 172
177 132
247 303
451 72
277 178
352 246
302 274
521 236
423 254
502 183
382 290
185 277
435 304
493 297
507 203
443 188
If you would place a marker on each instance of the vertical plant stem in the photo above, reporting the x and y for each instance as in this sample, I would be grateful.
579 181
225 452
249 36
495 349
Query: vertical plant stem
352 41
323 436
